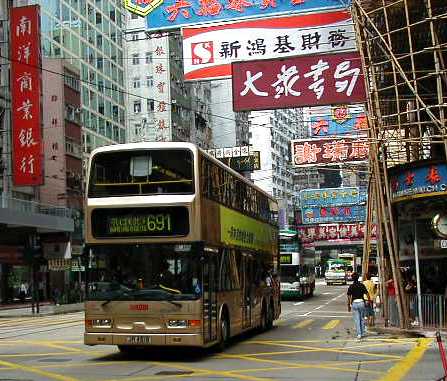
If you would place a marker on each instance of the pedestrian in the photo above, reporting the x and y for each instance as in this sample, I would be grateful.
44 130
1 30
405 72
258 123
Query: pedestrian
372 293
356 303
22 292
392 302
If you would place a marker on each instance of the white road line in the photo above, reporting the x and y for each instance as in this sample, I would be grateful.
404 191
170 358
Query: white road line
298 304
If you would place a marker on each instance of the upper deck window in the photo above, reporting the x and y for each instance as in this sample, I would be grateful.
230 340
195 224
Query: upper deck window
143 172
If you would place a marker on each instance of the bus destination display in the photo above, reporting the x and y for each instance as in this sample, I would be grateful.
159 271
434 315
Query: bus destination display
140 222
285 259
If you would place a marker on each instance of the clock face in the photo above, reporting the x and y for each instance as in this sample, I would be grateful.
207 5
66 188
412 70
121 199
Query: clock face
440 225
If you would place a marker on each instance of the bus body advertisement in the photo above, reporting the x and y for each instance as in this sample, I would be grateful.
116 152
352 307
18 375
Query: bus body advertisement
180 249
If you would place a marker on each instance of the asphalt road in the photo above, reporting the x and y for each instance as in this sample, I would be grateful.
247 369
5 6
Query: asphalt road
313 340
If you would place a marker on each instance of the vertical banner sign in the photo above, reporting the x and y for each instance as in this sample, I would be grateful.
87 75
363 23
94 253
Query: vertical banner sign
25 93
162 92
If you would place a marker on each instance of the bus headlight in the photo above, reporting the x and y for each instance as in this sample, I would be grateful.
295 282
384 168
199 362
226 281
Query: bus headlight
103 323
177 323
183 323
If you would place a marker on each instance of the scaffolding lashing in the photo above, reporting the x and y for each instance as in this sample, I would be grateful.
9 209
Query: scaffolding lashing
403 45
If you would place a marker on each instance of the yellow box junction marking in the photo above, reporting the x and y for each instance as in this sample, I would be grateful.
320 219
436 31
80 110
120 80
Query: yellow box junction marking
400 370
303 323
331 325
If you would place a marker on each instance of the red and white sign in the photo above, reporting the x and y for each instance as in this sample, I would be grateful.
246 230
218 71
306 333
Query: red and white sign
209 51
298 82
310 152
345 232
25 95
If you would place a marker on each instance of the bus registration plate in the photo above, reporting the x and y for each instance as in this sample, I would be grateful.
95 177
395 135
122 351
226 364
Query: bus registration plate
138 339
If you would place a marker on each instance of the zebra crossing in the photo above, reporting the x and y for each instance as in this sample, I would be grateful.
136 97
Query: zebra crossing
17 327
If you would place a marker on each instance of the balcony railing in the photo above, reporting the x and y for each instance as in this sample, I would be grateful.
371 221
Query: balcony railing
34 207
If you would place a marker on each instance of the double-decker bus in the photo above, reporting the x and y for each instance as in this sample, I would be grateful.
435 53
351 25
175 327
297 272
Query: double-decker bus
297 266
180 249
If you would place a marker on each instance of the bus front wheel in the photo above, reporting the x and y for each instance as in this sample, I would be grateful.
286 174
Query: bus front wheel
224 333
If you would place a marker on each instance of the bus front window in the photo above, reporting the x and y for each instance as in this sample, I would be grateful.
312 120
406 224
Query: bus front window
290 274
144 272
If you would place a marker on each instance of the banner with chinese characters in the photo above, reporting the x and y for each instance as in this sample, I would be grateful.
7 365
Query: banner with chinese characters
168 14
298 82
25 96
325 197
226 152
424 180
209 51
324 215
309 152
345 232
162 89
341 121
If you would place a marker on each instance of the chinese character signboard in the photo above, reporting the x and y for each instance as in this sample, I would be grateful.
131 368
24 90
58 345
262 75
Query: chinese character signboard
330 197
429 179
25 96
209 51
340 122
310 152
324 215
227 152
298 82
168 14
339 232
162 89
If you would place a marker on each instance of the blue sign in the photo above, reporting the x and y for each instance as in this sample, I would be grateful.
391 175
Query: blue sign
340 122
169 14
324 215
425 180
332 197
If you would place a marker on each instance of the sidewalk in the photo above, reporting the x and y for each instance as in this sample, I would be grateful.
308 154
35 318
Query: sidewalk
46 308
380 328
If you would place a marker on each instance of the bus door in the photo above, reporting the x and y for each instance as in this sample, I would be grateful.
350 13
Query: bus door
247 290
209 296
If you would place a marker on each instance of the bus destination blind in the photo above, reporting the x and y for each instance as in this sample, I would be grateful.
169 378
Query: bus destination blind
140 222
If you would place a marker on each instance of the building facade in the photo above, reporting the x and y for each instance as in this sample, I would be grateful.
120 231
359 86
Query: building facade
271 133
229 128
161 106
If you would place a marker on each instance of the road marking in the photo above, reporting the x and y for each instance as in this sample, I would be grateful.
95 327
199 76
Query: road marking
331 325
400 370
40 372
298 304
303 323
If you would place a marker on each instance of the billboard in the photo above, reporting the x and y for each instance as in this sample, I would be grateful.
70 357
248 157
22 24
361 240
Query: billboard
349 232
209 51
324 215
340 122
424 180
244 163
298 82
25 96
169 14
325 197
311 152
227 152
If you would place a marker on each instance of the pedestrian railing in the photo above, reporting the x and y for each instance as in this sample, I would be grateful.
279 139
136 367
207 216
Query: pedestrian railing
34 207
433 310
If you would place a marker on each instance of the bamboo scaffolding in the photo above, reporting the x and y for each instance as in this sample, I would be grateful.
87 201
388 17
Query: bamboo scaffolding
403 50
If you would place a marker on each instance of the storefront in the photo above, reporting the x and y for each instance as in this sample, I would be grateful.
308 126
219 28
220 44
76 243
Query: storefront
419 197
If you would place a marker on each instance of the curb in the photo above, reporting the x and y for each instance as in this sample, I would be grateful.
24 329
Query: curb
55 310
402 332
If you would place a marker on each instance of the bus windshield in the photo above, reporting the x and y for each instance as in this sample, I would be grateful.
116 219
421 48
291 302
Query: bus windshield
290 274
144 272
142 172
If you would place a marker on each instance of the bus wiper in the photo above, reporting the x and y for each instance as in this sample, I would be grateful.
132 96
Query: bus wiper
178 305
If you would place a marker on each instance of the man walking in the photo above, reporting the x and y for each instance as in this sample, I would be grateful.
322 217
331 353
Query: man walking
356 303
